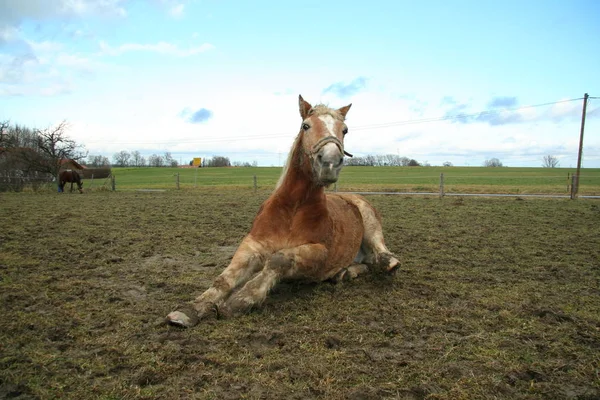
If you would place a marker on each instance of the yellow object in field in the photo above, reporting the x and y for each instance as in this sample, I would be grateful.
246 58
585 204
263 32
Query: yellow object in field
197 162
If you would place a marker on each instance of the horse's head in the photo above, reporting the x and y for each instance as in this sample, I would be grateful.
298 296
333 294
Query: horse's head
323 130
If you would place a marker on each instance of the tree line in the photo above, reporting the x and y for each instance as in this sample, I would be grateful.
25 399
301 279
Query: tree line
124 158
385 160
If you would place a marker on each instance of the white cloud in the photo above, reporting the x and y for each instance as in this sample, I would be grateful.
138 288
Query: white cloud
13 12
44 46
159 47
46 69
8 34
177 11
83 7
565 110
16 69
47 90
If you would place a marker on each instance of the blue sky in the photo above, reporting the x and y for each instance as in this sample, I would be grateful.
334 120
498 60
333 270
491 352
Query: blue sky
203 78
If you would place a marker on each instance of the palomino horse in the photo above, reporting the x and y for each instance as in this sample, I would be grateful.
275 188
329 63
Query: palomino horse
300 232
69 176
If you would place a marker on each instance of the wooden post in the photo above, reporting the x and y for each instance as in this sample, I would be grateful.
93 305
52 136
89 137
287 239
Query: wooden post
573 186
113 182
196 177
177 179
441 185
255 184
568 182
585 100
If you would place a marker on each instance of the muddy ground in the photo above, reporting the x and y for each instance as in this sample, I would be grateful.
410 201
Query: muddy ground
496 298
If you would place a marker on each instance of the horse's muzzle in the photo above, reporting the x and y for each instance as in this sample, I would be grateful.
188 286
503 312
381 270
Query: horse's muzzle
328 162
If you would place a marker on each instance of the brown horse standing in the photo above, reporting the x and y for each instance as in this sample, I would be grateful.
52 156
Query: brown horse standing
69 176
300 232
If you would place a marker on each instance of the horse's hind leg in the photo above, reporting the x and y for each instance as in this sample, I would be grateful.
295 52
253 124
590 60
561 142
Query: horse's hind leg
246 261
350 272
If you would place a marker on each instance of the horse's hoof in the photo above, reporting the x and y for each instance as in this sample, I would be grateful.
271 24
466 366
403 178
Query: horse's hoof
389 262
393 265
184 319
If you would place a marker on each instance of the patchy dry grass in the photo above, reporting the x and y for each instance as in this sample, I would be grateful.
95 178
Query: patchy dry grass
497 298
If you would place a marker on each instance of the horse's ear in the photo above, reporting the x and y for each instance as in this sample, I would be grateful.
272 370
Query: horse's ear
304 107
344 110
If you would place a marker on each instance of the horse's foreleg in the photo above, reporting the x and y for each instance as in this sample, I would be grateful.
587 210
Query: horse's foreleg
302 261
246 261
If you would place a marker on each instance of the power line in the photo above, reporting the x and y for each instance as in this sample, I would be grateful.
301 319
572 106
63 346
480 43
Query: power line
355 128
458 116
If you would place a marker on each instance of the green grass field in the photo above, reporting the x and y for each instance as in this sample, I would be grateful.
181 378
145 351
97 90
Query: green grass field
390 179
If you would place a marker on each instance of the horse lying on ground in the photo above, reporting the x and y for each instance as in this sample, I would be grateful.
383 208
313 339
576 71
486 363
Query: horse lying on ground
300 232
69 176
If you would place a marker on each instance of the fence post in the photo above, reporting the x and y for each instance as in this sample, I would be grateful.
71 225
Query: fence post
178 181
255 184
568 181
113 182
441 185
574 183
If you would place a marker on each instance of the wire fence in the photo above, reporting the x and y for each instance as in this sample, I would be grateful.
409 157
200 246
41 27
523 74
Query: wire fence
419 181
398 181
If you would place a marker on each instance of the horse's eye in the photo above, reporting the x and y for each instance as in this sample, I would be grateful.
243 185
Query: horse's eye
345 131
305 127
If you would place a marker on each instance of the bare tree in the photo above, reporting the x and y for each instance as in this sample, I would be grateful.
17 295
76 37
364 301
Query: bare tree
156 161
137 159
4 127
217 161
404 161
53 146
550 161
244 164
121 158
17 136
98 161
169 160
18 144
492 162
447 164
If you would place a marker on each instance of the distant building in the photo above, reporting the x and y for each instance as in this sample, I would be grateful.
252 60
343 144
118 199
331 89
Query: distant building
68 164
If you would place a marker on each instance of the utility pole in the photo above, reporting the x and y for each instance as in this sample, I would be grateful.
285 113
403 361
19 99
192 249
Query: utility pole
585 100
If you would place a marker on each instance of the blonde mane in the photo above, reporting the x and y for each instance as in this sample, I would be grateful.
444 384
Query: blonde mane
322 109
288 161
